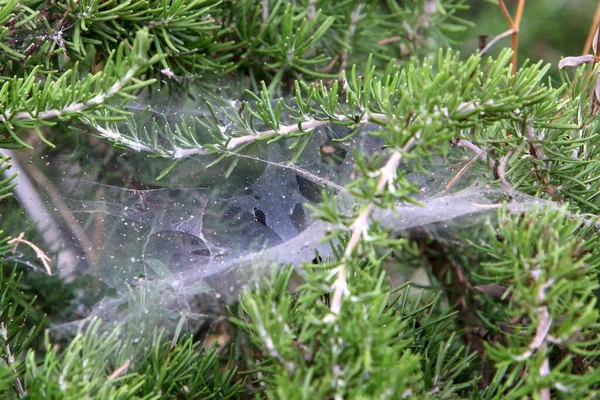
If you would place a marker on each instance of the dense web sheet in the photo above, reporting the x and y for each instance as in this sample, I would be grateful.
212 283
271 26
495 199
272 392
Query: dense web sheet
204 229
176 244
192 241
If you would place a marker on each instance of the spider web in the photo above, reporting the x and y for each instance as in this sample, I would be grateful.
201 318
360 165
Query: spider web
181 249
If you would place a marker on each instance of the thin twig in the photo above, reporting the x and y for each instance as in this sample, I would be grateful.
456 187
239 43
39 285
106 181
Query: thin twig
95 101
264 5
592 31
270 345
10 360
312 9
496 39
38 252
115 136
389 40
117 372
354 19
307 125
506 13
515 35
490 206
463 169
360 226
514 28
331 64
471 146
519 15
545 393
476 150
544 324
502 169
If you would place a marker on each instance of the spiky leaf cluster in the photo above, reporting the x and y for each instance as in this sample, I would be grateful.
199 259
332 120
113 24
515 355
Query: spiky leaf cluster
511 310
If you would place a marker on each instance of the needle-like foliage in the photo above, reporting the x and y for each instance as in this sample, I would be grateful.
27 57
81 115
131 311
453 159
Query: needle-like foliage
503 308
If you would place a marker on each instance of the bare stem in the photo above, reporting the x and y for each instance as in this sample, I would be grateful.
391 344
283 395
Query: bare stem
472 147
354 19
307 125
113 133
496 39
10 359
284 130
464 168
544 323
95 101
514 28
360 226
312 9
544 371
475 150
264 5
502 169
506 13
119 371
391 39
592 31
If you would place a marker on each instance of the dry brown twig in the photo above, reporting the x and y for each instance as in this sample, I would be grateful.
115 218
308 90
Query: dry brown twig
38 252
592 31
514 26
119 371
480 154
392 39
513 31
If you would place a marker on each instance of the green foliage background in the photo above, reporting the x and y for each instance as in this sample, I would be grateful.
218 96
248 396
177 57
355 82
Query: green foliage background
511 308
